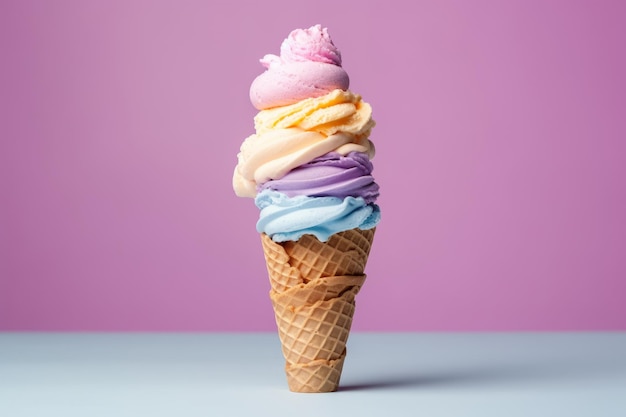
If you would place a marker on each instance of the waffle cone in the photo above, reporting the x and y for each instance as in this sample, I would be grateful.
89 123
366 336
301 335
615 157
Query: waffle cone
314 285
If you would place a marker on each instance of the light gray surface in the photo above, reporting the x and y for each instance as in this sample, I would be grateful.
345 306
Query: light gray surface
498 374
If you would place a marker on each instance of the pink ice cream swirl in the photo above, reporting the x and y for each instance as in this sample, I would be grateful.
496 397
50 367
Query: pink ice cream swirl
309 65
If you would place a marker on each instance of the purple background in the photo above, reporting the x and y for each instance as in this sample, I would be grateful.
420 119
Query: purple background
501 159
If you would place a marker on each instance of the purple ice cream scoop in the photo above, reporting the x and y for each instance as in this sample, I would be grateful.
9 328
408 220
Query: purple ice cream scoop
332 175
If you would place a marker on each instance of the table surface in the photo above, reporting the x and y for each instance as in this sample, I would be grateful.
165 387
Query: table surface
231 374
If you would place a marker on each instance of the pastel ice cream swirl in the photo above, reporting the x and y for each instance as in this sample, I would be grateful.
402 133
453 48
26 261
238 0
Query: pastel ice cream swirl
309 65
330 175
272 155
308 164
289 218
336 111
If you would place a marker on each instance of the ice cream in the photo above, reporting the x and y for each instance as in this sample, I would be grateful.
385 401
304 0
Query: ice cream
337 111
309 65
272 155
332 174
308 167
306 112
284 218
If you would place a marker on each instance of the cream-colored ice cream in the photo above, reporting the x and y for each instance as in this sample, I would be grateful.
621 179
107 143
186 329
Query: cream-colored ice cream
272 154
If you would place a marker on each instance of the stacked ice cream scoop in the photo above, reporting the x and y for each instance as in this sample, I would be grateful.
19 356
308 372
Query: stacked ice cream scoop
308 168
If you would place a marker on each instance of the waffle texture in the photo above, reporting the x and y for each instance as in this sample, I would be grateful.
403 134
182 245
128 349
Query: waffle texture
313 290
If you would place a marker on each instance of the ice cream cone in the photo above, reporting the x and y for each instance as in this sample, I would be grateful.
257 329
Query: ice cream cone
308 167
314 285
